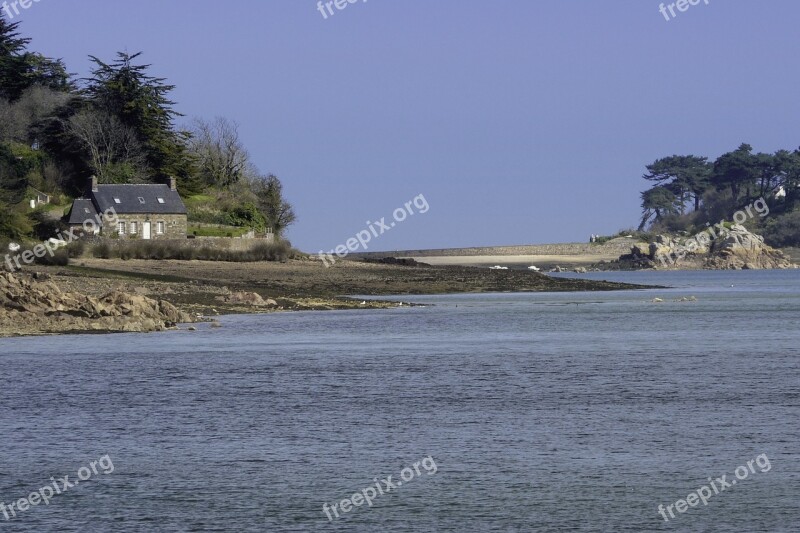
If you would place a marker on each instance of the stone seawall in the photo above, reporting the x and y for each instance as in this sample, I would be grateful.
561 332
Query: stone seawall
616 248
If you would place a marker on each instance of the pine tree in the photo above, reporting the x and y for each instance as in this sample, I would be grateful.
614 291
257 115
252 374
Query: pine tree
20 69
12 61
141 102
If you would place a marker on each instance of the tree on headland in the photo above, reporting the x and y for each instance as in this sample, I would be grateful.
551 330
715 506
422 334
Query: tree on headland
735 170
787 166
223 163
13 68
140 102
114 149
222 159
278 213
688 177
656 203
13 184
20 69
690 191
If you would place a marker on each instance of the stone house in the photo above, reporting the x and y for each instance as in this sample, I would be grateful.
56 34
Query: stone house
142 211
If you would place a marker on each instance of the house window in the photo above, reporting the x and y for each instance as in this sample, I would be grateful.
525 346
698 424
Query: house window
161 200
141 200
121 227
160 227
134 228
117 201
86 209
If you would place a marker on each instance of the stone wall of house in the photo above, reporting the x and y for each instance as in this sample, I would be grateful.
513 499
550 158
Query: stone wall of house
175 226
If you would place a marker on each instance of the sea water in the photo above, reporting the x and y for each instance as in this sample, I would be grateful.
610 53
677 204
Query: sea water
541 411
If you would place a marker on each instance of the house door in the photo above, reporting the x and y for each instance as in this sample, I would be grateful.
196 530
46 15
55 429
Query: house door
146 231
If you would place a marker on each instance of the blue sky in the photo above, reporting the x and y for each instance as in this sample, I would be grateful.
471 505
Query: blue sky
522 121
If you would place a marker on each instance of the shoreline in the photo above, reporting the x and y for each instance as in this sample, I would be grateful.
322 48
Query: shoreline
544 256
566 256
203 290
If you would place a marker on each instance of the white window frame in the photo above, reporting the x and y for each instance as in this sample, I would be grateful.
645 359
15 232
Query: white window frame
161 227
134 228
121 225
117 201
162 201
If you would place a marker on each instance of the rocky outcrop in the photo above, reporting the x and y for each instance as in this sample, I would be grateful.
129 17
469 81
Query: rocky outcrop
739 250
735 249
252 299
29 306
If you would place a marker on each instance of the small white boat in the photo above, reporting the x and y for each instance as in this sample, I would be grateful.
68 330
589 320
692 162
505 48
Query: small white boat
498 267
534 268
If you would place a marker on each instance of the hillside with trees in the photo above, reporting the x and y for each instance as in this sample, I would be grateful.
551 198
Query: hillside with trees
689 192
120 125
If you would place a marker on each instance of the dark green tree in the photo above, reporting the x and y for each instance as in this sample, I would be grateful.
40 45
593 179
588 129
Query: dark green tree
278 213
48 72
736 170
688 176
20 69
13 172
12 61
140 101
246 215
657 203
787 164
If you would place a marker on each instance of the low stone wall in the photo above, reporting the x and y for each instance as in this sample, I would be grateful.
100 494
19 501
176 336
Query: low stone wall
217 243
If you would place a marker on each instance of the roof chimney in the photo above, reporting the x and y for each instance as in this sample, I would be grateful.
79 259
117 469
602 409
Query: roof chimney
94 183
173 184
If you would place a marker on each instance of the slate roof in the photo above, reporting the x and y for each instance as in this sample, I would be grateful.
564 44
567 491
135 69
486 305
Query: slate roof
82 210
138 199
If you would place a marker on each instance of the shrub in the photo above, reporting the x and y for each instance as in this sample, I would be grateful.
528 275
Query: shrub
76 249
159 251
185 253
246 215
59 258
783 230
155 250
102 250
45 227
277 251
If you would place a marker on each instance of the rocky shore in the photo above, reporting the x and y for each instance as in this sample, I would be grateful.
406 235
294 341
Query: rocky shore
99 295
32 304
736 249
